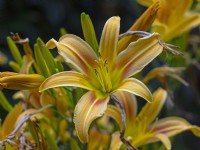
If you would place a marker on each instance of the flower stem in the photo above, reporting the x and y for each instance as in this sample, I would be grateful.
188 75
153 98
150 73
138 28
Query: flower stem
123 115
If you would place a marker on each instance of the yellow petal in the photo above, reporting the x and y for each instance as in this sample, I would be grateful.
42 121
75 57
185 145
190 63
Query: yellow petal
151 110
129 103
181 7
88 109
28 112
75 51
172 126
114 113
138 55
136 87
187 23
116 143
109 39
98 140
161 72
9 122
27 62
164 139
142 24
67 78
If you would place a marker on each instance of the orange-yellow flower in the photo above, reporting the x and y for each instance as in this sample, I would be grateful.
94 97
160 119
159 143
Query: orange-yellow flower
102 74
144 128
173 17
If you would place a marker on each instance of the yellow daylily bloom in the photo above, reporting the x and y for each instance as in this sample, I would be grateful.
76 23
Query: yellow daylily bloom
104 74
9 122
97 137
162 72
173 17
141 129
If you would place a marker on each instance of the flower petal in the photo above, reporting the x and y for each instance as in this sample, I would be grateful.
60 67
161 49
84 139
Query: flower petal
114 113
75 51
88 109
9 122
168 15
67 78
136 87
138 55
161 72
98 140
172 126
142 24
109 39
150 111
116 143
187 23
129 103
164 139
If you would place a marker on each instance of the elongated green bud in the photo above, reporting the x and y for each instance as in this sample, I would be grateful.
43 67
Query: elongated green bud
89 32
14 50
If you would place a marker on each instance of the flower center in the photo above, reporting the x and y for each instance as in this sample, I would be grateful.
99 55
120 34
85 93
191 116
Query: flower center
103 75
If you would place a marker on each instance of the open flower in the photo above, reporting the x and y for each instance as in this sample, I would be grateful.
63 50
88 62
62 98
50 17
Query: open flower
103 74
173 17
144 128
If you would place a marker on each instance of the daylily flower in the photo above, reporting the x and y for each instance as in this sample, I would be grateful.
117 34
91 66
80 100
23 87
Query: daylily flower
144 128
173 17
9 122
103 74
161 73
97 137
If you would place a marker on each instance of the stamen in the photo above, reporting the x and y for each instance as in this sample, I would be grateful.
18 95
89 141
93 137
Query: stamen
103 74
169 48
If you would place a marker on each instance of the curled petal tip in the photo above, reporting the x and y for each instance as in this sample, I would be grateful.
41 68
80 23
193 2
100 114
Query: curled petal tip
51 44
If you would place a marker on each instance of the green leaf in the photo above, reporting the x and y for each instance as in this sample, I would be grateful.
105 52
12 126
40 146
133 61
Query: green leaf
89 32
4 102
15 51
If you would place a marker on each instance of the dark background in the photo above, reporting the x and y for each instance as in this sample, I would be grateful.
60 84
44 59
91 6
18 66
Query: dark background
44 18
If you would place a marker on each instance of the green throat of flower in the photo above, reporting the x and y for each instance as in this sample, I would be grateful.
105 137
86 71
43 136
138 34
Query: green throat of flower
103 75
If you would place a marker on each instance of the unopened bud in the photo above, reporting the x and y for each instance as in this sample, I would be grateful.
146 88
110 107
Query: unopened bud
17 81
